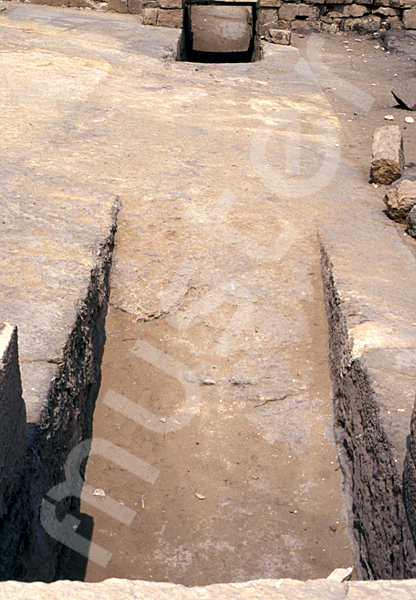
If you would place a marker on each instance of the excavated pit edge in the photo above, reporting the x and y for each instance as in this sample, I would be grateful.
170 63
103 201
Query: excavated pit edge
27 552
382 543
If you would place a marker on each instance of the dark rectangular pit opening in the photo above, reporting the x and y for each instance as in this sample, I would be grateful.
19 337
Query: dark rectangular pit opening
217 31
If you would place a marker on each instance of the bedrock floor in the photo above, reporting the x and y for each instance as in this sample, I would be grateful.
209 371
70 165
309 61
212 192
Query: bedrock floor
249 488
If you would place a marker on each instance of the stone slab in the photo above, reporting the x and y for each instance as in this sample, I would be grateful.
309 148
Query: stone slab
281 589
220 28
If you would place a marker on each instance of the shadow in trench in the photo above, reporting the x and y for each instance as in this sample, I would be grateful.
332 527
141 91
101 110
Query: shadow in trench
75 567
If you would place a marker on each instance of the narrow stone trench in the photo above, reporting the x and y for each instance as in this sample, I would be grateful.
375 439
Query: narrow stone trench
250 487
215 371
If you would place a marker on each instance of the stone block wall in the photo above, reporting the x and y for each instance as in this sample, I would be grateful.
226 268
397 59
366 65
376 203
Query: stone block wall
363 16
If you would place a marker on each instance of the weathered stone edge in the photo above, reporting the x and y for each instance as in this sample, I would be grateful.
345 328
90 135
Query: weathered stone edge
382 542
26 550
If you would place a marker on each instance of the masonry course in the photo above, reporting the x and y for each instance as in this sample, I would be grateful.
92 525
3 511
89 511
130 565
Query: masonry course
319 15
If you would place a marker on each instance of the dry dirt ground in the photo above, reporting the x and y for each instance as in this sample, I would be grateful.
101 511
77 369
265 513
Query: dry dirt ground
266 475
364 61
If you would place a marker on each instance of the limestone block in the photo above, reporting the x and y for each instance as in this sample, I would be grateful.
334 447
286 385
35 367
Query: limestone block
386 11
349 10
170 18
393 21
289 12
170 4
355 10
330 27
134 7
400 199
409 18
119 6
270 3
364 24
279 36
220 28
387 154
305 25
391 3
149 16
12 417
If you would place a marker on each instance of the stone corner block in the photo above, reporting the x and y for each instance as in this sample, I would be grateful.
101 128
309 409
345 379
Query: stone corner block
119 6
170 18
387 155
409 18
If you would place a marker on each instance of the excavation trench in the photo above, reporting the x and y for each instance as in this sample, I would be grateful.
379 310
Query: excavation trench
220 496
213 456
220 32
245 483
